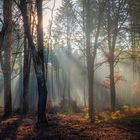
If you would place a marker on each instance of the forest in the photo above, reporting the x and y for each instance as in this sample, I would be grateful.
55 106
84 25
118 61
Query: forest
69 69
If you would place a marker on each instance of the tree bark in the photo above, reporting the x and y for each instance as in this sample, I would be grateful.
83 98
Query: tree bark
6 67
26 76
38 66
89 65
41 81
91 55
111 46
112 86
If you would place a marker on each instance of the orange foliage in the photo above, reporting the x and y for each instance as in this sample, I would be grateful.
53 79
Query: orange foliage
107 107
106 84
85 109
117 77
49 104
116 115
136 87
107 54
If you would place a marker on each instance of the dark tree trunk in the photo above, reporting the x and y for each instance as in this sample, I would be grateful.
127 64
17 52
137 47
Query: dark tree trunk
42 99
6 67
90 92
7 95
91 55
89 65
112 86
52 75
111 46
26 77
41 81
112 78
38 62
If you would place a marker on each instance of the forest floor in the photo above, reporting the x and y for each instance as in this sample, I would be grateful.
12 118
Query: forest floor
69 127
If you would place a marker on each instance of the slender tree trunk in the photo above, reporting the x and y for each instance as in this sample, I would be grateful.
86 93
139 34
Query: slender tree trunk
84 82
112 78
52 75
69 55
7 42
89 65
64 82
26 77
84 44
58 79
90 96
69 90
111 46
91 55
52 83
112 86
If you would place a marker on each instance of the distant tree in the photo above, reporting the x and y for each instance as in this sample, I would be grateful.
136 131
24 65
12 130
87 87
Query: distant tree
65 26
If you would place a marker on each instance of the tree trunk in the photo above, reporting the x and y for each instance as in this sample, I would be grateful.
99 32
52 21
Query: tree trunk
26 77
7 95
7 42
41 80
42 98
84 83
52 75
38 62
69 55
58 78
112 86
111 46
90 64
90 92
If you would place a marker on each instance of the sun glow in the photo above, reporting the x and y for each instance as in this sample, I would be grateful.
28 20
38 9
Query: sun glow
49 12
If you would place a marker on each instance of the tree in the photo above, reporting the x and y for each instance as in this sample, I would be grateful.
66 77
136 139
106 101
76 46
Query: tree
66 18
134 16
37 61
26 76
91 51
6 42
116 17
43 94
27 64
